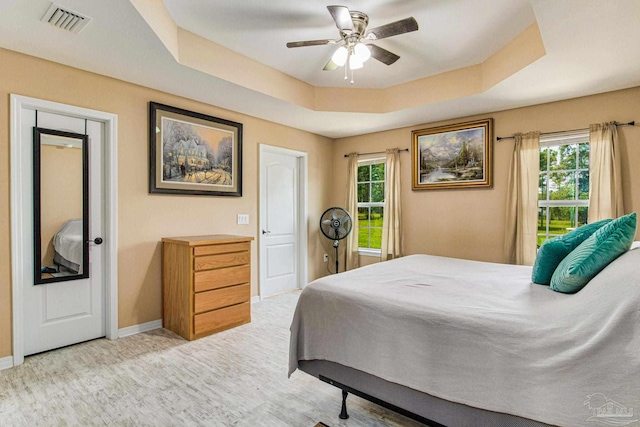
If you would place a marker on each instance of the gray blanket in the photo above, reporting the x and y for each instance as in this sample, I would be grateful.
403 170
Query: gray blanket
482 334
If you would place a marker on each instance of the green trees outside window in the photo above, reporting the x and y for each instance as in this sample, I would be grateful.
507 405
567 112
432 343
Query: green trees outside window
563 191
370 204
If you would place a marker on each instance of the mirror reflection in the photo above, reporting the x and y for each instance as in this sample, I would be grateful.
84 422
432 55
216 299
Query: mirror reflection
60 206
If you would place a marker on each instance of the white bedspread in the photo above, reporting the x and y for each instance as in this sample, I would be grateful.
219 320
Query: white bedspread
68 241
482 334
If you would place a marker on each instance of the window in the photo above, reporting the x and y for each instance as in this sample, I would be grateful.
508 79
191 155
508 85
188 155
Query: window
370 204
563 194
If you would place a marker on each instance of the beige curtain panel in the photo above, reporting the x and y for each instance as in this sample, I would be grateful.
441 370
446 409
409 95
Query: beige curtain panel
522 200
605 180
392 219
352 208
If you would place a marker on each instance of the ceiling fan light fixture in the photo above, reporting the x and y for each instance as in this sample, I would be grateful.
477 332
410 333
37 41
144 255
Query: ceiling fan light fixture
355 63
362 52
340 56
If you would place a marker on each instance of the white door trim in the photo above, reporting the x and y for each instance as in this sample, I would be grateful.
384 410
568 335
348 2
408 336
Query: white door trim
302 157
19 191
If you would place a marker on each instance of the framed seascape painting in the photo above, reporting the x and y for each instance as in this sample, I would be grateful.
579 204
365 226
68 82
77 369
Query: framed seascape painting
192 153
453 156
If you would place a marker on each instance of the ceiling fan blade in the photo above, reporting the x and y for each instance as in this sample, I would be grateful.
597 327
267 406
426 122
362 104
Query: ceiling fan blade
331 66
342 17
393 29
310 43
383 55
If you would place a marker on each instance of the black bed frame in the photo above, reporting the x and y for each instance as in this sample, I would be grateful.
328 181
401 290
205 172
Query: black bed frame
346 390
406 401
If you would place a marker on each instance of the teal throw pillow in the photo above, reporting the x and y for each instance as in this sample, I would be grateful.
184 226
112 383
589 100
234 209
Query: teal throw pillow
554 250
594 254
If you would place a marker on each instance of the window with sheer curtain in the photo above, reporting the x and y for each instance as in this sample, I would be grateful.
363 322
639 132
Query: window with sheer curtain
563 195
371 181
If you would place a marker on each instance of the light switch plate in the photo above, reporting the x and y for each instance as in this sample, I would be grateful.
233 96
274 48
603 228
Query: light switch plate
243 219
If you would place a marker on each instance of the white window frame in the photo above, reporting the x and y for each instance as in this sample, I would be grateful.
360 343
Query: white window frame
373 252
557 141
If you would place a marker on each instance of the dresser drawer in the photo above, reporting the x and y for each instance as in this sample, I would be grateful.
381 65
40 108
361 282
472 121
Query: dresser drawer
221 249
209 262
218 319
210 300
213 279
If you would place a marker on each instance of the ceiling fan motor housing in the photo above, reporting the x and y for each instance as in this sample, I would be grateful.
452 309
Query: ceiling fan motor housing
360 22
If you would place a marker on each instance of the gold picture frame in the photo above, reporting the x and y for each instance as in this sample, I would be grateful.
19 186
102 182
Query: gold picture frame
453 156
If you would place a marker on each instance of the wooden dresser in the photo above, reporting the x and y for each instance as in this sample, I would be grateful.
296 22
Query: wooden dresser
206 284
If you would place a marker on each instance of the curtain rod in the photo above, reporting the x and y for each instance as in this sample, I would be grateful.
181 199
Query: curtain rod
375 152
632 123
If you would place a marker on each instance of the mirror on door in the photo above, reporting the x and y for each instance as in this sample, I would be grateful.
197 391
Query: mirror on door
60 206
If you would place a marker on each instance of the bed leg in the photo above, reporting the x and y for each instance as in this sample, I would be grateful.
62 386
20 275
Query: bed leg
343 413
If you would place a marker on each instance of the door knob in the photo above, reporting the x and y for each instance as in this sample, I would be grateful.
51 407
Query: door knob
266 232
97 241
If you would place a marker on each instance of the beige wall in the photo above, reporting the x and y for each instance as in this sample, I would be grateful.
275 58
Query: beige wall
143 219
470 223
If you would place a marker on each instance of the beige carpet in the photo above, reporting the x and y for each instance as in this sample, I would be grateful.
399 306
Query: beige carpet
234 378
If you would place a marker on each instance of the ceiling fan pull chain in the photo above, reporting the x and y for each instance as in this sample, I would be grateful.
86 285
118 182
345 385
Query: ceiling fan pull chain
352 76
347 66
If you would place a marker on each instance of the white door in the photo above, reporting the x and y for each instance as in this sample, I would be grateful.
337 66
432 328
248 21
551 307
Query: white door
67 312
279 223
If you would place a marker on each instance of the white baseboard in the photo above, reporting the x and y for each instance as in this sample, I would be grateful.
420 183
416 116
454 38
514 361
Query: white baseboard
145 327
137 329
6 362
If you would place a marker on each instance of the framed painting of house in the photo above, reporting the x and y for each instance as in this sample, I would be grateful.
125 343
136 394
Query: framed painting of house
192 153
453 156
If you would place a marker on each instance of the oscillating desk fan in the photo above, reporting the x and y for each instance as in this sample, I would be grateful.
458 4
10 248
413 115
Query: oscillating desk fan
336 224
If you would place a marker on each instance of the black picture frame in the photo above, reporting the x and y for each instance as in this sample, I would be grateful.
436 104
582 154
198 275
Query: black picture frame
41 277
193 154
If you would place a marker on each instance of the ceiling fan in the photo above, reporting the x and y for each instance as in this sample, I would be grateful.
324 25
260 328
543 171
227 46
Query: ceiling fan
353 52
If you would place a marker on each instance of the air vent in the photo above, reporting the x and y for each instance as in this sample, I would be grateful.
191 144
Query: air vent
65 19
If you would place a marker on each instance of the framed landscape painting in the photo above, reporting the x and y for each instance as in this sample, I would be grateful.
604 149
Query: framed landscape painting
192 153
453 156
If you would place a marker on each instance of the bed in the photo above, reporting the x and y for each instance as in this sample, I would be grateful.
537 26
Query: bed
465 343
68 246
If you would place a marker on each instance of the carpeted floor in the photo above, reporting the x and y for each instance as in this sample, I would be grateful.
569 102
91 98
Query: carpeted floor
234 378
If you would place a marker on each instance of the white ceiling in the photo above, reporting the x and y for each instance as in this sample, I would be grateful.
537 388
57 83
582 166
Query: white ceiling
591 47
447 38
